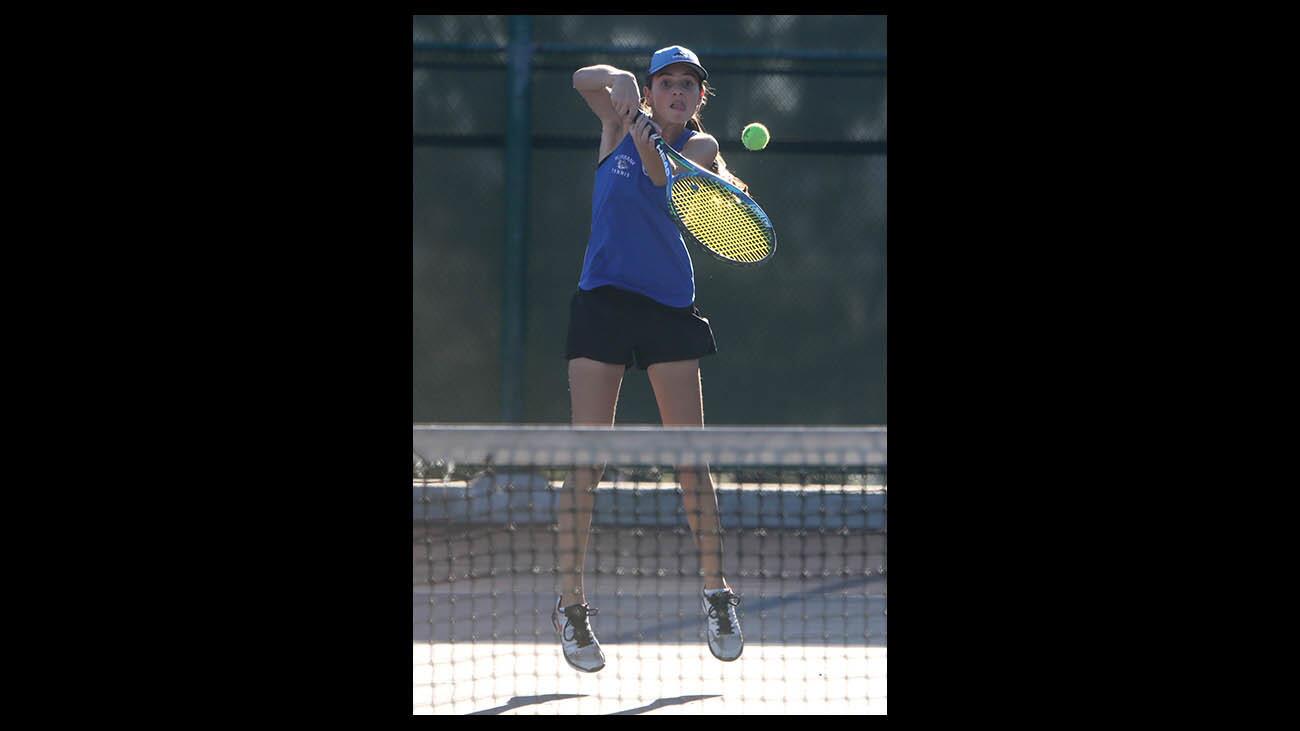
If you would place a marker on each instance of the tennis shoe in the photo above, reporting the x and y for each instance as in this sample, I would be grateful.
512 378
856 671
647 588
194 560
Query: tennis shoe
722 626
581 650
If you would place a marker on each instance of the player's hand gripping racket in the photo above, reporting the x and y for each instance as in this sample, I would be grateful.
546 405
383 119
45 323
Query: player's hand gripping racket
718 215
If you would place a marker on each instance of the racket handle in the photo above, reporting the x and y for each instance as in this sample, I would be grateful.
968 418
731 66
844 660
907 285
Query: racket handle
653 134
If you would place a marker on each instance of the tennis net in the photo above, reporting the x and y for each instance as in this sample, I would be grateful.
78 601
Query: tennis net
799 537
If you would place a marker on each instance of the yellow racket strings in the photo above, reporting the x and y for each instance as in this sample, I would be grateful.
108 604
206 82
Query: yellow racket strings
720 221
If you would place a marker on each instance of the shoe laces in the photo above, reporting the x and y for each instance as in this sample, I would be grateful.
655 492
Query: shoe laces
578 628
720 609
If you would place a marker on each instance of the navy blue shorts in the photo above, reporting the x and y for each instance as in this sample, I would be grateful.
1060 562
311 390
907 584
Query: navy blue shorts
612 325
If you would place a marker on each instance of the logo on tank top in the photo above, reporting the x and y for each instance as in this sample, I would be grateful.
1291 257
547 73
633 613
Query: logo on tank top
622 163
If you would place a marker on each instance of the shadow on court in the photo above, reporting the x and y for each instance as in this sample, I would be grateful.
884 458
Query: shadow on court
525 700
664 702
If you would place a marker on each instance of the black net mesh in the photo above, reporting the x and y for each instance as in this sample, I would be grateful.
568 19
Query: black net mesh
792 522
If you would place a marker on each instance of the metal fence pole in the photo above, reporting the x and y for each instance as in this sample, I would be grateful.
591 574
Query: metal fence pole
518 131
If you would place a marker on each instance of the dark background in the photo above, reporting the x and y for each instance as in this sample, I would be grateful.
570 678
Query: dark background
801 340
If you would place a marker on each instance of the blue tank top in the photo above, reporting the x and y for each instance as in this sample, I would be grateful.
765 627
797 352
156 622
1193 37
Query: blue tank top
634 244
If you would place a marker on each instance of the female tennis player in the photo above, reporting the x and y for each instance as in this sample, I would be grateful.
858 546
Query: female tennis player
635 306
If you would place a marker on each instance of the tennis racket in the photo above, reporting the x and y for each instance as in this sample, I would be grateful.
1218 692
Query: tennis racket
720 217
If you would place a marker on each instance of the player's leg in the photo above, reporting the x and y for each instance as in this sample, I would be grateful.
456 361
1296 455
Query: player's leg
593 395
677 389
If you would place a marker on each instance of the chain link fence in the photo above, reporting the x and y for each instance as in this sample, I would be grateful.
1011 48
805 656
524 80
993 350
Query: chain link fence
801 340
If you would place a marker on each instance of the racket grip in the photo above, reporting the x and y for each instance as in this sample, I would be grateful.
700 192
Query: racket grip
653 134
